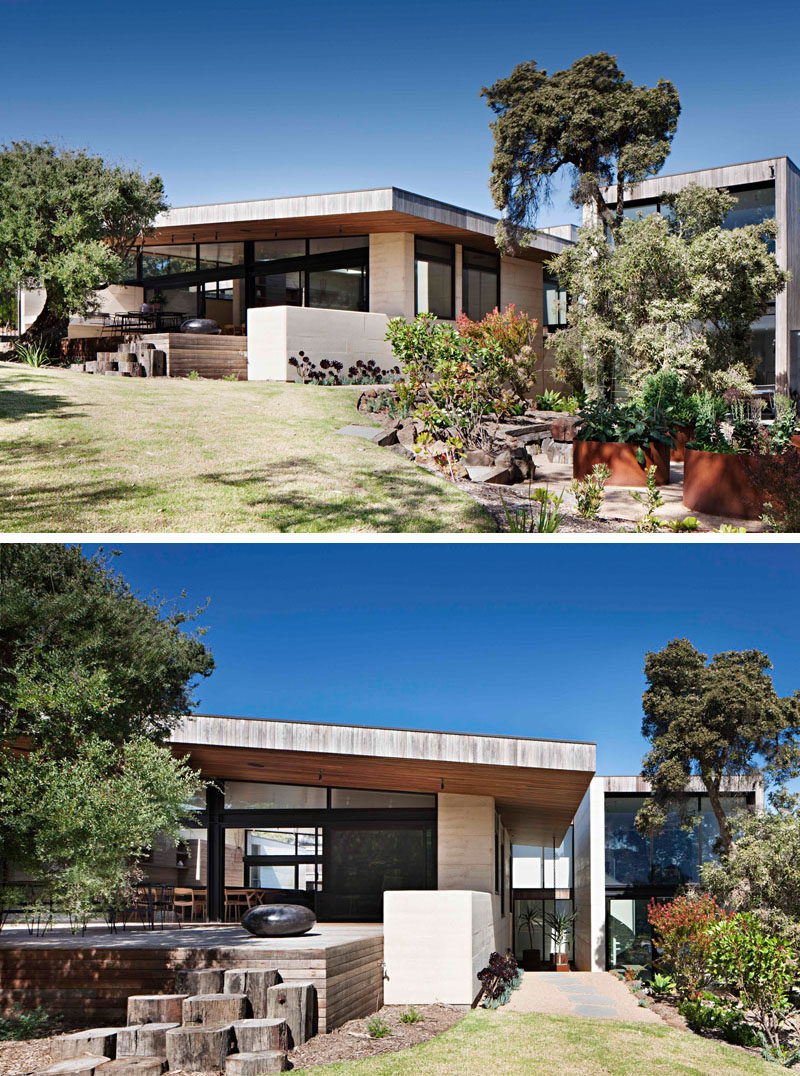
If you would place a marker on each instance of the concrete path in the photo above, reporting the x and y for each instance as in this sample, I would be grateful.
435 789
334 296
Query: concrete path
579 993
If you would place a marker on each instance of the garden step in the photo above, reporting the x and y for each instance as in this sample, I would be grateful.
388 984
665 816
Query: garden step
74 1066
199 1048
254 982
257 1035
96 1042
296 1003
155 1008
136 1066
212 1010
193 981
143 1040
254 1064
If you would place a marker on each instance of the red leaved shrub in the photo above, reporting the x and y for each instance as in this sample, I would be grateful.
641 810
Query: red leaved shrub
683 938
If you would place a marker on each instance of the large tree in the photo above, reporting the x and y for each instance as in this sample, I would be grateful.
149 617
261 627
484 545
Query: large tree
713 719
676 291
69 223
81 654
588 119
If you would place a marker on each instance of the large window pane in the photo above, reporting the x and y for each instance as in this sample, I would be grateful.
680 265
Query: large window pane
675 852
339 242
213 255
555 303
363 797
435 288
338 289
242 795
627 852
709 829
278 289
362 863
527 863
762 342
629 934
480 293
285 841
270 250
176 300
752 207
168 260
279 876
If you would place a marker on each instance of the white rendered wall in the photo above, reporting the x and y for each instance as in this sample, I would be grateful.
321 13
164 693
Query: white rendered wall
115 299
275 334
589 872
434 944
391 274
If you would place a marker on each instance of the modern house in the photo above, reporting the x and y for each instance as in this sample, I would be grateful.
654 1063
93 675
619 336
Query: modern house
763 190
323 273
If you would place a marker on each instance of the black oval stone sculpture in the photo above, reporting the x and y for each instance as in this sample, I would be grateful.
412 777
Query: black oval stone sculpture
278 920
201 326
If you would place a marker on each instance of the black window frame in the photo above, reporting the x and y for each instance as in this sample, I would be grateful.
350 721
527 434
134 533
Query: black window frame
439 260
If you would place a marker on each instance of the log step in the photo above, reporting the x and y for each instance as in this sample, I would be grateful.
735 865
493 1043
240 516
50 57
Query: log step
143 1040
95 1042
198 1048
213 1010
255 983
255 1036
254 1064
74 1066
296 1003
193 981
136 1066
155 1008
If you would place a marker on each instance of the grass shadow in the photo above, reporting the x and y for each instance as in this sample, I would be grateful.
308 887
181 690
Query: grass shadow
16 404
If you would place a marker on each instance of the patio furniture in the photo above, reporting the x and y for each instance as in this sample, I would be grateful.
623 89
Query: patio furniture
189 904
236 903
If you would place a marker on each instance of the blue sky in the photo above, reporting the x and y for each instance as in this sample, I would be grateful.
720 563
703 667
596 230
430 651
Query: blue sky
544 640
258 99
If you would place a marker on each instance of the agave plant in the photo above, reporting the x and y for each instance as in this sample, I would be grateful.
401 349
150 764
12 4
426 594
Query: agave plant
32 354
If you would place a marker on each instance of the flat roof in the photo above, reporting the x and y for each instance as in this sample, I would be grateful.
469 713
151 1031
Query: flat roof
740 173
537 783
346 212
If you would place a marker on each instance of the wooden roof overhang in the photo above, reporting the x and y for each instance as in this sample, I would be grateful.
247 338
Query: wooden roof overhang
537 802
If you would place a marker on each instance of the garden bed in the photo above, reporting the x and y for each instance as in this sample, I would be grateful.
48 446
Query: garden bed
720 483
621 460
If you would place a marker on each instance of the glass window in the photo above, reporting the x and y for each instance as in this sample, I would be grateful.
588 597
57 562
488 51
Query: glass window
278 289
433 278
244 795
362 797
533 929
175 300
285 841
168 260
213 255
278 876
480 283
752 207
270 250
676 852
629 934
762 343
527 861
338 289
339 242
184 864
555 302
627 852
709 829
636 212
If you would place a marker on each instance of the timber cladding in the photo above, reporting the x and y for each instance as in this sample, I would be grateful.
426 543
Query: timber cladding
210 356
92 985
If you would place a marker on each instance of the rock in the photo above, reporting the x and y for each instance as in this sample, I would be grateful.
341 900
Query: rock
278 920
296 1003
213 1010
564 427
407 432
77 367
90 366
254 983
503 458
254 1064
199 1049
143 1040
96 1042
476 457
253 1036
388 437
74 1066
501 476
193 981
155 1008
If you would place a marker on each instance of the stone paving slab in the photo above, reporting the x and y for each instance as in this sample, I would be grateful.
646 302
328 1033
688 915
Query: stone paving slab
598 995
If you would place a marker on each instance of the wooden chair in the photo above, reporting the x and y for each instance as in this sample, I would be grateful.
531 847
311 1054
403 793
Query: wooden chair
236 903
185 904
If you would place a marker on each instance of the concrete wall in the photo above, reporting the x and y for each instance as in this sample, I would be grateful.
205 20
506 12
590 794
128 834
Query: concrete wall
115 299
276 334
435 942
787 304
391 274
589 878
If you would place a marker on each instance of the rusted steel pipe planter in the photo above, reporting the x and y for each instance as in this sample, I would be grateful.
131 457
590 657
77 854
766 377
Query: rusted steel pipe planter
621 460
721 484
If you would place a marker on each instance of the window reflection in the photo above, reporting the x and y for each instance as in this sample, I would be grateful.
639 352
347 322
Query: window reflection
433 277
627 852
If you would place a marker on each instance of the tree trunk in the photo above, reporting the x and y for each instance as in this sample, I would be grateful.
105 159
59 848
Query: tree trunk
49 327
712 787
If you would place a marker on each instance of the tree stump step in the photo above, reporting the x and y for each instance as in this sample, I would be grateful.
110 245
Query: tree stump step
296 1003
256 1064
136 1066
254 982
94 1042
143 1040
74 1066
253 1036
198 1048
193 981
212 1010
155 1008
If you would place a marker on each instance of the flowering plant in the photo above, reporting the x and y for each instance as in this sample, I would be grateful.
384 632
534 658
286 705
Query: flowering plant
683 938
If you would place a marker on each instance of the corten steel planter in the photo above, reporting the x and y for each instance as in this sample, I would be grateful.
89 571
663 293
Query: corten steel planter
796 440
621 461
561 961
681 434
720 484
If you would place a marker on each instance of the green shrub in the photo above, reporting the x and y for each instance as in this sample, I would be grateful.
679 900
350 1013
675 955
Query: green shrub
589 492
32 354
229 377
411 1017
543 517
377 1028
21 1024
709 1013
193 375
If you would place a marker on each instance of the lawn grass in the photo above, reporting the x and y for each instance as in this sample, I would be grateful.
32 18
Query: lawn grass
532 1044
87 453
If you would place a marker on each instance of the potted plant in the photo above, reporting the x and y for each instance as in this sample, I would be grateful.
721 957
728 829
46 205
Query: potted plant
528 918
559 925
722 462
625 437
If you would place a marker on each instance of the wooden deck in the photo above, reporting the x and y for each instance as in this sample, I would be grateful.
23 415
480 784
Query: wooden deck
88 978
